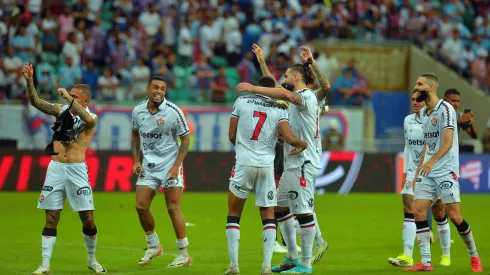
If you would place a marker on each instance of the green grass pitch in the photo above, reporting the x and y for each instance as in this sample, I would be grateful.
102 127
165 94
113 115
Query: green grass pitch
362 229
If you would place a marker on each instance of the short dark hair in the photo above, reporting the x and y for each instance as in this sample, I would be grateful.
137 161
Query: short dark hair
267 81
156 77
431 76
452 91
85 89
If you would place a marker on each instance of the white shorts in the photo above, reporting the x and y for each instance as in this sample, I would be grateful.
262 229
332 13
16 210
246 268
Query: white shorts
445 187
408 185
297 189
247 179
66 180
156 179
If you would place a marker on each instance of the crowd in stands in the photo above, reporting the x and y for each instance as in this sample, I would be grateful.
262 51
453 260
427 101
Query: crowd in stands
203 47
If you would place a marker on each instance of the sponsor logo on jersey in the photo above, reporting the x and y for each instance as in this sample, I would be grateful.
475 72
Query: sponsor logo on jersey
47 188
433 121
415 142
417 154
160 122
431 146
151 135
431 134
148 146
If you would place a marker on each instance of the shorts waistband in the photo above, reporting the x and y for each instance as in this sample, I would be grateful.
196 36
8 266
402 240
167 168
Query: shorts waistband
69 164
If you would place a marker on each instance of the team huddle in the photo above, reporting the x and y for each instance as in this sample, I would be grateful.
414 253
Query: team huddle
274 114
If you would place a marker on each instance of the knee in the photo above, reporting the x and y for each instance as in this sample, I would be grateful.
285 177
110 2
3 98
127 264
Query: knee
173 208
455 217
420 214
88 220
408 210
141 208
52 219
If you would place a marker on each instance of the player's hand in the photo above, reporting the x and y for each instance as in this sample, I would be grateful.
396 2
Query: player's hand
173 172
426 168
259 53
305 53
245 87
466 117
296 151
27 71
137 168
64 94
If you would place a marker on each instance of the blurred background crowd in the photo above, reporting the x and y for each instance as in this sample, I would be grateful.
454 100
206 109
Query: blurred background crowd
203 47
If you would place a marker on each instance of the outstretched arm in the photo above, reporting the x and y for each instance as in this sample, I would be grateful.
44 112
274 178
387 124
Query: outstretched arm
38 103
325 86
89 119
277 93
263 65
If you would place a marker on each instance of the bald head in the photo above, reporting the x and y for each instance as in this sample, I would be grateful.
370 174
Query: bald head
82 94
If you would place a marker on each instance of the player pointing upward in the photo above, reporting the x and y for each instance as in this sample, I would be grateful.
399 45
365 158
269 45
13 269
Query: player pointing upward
67 175
439 166
254 125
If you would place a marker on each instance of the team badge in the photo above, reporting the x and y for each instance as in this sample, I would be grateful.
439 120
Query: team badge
434 121
160 121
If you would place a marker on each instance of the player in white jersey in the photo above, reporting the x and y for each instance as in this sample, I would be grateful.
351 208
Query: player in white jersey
67 175
414 143
439 168
296 189
157 125
254 124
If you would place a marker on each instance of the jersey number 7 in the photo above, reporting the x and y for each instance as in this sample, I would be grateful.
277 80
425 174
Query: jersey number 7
262 117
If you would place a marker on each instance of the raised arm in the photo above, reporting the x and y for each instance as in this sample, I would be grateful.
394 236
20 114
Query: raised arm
325 86
259 53
89 119
38 103
277 93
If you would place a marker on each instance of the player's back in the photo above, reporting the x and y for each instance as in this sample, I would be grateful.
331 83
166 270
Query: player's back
257 130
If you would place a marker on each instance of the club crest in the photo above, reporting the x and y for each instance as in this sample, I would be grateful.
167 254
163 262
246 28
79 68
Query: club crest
434 121
160 121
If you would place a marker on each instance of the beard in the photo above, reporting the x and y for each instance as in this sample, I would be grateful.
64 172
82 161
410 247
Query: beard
289 87
423 95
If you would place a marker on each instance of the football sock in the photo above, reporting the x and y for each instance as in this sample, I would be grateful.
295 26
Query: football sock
48 240
288 232
90 238
233 237
307 237
152 240
318 233
408 234
464 230
444 232
182 246
268 235
423 236
429 218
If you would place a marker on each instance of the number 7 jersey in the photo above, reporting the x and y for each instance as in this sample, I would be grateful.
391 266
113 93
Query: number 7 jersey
257 130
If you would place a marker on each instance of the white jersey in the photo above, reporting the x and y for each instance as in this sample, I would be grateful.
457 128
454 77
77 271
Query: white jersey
78 124
257 130
304 122
159 133
414 143
442 117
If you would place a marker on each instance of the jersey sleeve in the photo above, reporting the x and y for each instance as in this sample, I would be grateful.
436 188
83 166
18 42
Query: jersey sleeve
308 99
448 117
283 115
134 120
236 106
182 127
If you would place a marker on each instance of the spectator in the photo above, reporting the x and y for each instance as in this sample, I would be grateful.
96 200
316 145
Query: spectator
137 35
333 140
452 49
246 68
171 25
151 21
66 23
125 5
479 70
97 46
141 75
467 58
207 38
31 27
107 85
69 74
186 45
120 20
465 118
80 11
48 21
454 9
486 138
233 43
46 79
219 87
119 53
11 66
328 63
72 48
90 77
204 73
24 45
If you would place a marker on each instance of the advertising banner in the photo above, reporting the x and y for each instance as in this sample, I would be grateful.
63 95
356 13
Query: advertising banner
474 171
209 127
109 171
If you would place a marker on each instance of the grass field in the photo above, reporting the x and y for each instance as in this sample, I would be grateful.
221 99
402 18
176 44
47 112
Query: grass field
362 229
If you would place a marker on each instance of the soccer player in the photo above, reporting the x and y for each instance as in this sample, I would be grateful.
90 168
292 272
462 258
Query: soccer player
297 186
465 119
157 125
439 168
414 143
254 125
67 172
321 245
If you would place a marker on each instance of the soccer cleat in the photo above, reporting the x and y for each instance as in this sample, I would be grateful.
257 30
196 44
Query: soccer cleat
286 265
181 261
299 269
402 260
278 248
266 271
97 268
42 270
420 267
476 264
150 254
445 261
319 251
232 270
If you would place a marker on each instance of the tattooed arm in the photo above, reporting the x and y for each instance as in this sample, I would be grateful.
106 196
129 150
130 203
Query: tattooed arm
38 103
263 65
89 119
324 83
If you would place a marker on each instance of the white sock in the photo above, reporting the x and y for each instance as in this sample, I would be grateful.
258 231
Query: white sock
423 237
318 233
408 234
47 244
90 238
464 230
233 237
296 225
444 232
286 223
153 241
182 246
307 237
269 237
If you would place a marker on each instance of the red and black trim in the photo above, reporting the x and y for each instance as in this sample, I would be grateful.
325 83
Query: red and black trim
181 118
